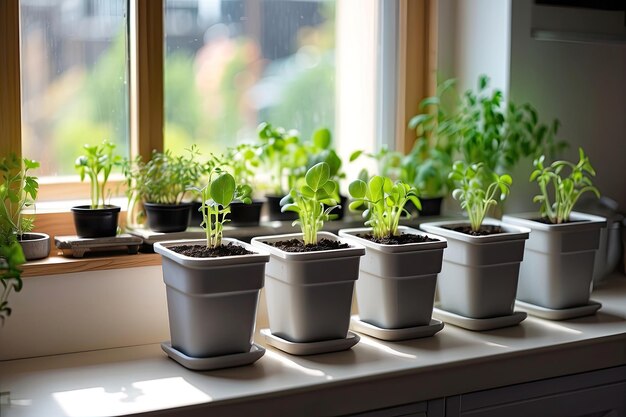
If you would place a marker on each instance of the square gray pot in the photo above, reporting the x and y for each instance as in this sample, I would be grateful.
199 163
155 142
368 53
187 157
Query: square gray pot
559 260
212 302
396 286
479 274
309 294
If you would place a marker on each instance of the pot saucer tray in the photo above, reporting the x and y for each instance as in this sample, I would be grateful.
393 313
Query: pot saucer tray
479 325
150 237
588 309
310 348
215 362
392 335
77 246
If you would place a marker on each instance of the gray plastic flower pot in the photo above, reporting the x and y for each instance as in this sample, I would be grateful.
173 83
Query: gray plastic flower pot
559 260
480 273
212 302
396 285
35 245
309 294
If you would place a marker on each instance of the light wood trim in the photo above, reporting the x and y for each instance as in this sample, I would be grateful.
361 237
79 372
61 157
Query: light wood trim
10 101
63 265
417 63
146 77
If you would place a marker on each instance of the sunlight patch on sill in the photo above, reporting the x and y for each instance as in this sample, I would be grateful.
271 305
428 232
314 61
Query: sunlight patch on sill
496 345
387 349
296 366
556 326
136 397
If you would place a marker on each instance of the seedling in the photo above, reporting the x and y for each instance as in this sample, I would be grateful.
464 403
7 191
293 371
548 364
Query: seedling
475 198
566 189
282 155
385 203
217 194
243 162
18 191
309 199
97 163
165 179
11 257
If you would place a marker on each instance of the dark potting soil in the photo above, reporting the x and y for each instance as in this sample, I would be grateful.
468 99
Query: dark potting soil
484 230
200 251
397 240
295 245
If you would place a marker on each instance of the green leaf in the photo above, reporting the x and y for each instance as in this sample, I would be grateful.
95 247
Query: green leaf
223 189
357 189
354 155
317 175
322 138
418 120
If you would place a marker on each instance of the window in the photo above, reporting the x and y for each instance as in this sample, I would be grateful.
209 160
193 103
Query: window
230 64
74 69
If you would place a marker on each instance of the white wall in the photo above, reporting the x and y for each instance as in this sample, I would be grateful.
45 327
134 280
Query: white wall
474 39
85 311
581 84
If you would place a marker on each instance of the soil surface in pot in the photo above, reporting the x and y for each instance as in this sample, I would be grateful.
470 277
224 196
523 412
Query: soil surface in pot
397 240
200 251
484 230
295 245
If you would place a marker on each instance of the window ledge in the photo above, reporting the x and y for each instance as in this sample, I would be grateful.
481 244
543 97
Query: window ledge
54 265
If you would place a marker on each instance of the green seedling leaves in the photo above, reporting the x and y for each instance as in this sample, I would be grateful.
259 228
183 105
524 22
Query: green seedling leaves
558 202
322 138
384 201
317 176
223 189
309 199
97 163
476 190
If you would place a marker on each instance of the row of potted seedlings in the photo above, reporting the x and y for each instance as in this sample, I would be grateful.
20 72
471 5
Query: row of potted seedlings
213 285
308 306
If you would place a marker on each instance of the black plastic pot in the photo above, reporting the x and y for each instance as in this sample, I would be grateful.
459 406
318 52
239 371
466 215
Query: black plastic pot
273 209
430 206
195 215
100 222
245 214
340 211
167 218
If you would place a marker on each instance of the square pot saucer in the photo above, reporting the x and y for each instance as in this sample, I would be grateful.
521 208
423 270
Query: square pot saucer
214 362
588 309
392 335
78 246
310 348
479 325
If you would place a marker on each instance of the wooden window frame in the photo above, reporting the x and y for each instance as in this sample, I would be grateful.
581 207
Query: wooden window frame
416 79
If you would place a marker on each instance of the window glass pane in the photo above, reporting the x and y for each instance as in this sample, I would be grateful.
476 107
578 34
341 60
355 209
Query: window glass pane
74 79
231 64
